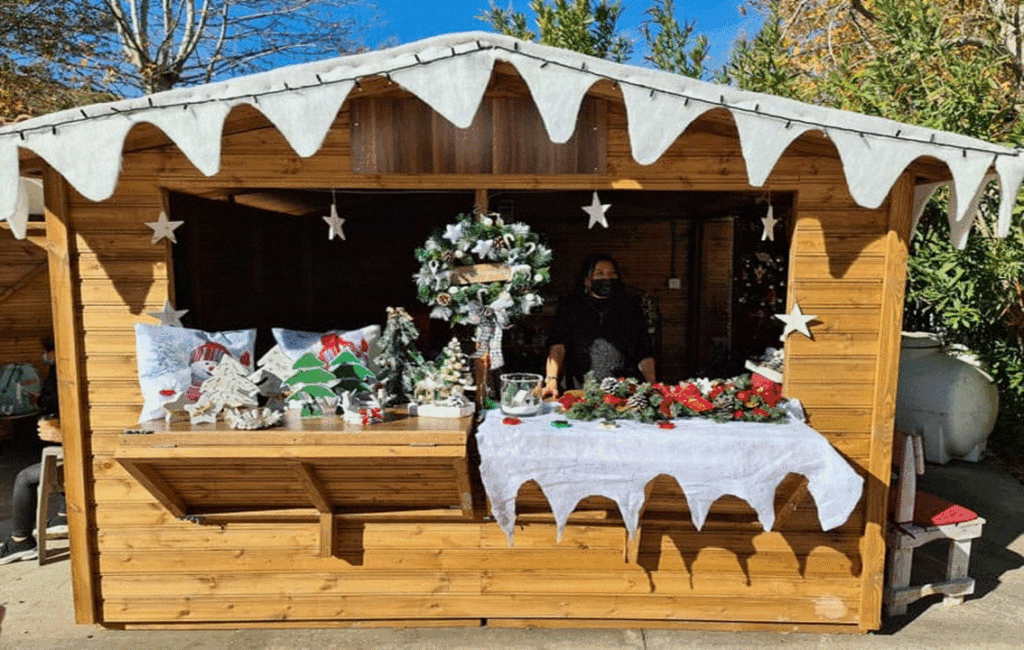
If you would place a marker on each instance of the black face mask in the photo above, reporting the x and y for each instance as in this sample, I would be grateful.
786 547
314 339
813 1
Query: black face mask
604 287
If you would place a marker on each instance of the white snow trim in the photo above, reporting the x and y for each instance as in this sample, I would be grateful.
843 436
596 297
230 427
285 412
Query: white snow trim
1011 175
450 74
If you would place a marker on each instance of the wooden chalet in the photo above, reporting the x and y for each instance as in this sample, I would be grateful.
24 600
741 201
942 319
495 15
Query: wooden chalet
325 524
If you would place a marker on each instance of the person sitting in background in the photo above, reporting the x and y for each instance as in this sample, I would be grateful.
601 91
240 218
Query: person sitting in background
21 545
599 328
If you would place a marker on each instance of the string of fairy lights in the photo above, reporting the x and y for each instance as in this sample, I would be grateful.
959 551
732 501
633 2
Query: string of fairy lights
654 91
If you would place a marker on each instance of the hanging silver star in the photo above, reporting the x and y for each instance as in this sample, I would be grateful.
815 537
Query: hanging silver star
769 222
796 321
596 211
169 316
335 222
164 229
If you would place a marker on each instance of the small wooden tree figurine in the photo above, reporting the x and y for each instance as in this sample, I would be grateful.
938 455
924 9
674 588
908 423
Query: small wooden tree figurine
312 385
400 362
227 387
442 391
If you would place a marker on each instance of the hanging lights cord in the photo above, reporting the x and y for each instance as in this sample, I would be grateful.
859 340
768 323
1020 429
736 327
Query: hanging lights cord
386 73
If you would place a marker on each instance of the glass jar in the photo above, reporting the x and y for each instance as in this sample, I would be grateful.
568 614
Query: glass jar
520 393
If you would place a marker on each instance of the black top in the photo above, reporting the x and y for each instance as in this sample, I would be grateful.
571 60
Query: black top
47 401
608 336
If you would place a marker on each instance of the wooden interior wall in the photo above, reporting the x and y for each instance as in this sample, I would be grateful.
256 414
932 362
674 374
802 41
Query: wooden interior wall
152 568
25 314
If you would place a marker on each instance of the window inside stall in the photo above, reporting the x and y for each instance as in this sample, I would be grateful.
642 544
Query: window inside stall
263 260
709 281
709 278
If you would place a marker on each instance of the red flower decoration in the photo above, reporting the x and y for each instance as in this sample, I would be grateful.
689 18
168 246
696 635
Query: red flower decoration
760 411
614 400
770 391
737 415
666 425
716 391
511 421
568 400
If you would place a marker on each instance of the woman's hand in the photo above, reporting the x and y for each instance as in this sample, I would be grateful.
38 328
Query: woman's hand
49 430
550 389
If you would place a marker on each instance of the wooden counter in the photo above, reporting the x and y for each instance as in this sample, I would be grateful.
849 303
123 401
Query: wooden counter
311 467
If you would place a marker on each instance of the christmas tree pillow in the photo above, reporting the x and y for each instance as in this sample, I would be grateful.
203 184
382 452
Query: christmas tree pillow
328 345
176 360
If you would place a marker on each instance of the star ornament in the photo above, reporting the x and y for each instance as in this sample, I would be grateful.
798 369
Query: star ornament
769 222
596 211
335 222
169 316
164 228
796 321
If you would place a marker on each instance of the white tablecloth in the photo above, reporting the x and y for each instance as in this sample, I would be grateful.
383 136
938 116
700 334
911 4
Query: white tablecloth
709 460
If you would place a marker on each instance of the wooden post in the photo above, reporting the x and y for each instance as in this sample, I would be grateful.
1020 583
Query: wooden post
886 372
67 335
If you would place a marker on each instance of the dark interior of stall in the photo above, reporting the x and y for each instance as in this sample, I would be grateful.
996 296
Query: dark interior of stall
708 278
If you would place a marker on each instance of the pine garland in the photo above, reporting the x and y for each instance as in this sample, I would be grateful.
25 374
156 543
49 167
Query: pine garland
738 399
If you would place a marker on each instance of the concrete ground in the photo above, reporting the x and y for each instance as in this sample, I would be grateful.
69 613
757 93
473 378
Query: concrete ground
36 609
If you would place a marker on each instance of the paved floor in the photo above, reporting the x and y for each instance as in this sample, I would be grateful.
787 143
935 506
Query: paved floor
36 610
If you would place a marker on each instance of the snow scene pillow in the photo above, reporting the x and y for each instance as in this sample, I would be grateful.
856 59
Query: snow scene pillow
327 345
173 360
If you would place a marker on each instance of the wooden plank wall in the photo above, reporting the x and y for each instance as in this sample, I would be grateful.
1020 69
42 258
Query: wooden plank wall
25 315
154 569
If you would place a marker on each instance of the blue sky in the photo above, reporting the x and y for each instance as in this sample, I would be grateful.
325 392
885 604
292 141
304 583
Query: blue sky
410 20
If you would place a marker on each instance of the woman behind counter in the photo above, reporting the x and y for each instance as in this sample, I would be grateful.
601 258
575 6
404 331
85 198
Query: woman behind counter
598 327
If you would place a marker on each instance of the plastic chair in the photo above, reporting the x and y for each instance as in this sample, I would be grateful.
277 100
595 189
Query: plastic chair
51 481
917 518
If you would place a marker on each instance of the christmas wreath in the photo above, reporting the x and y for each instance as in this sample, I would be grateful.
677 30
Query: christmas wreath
743 398
455 267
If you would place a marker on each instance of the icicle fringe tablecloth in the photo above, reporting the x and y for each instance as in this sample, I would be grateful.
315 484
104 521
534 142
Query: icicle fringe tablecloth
747 460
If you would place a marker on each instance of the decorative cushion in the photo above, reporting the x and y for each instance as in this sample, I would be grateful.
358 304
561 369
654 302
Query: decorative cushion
930 510
327 345
177 359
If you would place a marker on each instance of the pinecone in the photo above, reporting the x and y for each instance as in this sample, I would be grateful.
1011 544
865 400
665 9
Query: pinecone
723 403
448 256
609 384
637 402
499 243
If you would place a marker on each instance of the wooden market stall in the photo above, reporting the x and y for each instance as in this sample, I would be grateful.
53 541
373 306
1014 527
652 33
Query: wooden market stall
327 523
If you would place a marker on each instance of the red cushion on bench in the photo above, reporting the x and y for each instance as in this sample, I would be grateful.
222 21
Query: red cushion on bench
930 510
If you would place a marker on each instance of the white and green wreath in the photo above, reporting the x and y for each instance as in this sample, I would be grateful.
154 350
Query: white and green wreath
485 273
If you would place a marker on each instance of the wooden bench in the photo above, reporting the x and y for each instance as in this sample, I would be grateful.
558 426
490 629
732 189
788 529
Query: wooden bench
917 518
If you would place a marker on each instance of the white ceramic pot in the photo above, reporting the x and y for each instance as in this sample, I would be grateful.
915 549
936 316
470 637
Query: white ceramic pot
950 400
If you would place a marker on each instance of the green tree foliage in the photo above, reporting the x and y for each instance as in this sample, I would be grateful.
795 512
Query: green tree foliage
592 28
577 25
37 37
673 47
945 65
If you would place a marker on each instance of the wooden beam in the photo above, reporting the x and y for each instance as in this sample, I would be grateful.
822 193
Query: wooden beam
901 201
466 501
157 486
313 487
21 282
327 528
69 351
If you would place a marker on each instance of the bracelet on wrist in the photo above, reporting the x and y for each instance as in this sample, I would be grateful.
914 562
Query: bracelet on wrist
551 378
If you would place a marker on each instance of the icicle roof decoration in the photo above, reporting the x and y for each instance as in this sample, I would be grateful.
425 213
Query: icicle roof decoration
450 73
